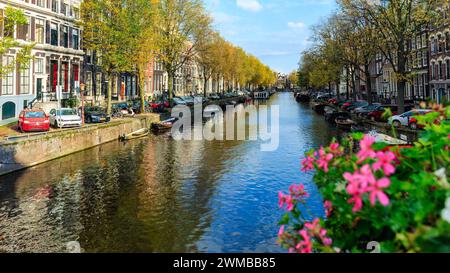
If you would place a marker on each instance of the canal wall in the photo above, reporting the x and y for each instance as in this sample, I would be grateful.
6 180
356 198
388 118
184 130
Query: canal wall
20 153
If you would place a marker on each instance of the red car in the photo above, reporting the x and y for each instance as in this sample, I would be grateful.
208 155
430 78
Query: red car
377 114
33 120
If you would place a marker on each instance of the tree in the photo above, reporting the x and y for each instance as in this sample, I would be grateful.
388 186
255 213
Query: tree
141 18
208 57
183 26
14 18
103 23
394 24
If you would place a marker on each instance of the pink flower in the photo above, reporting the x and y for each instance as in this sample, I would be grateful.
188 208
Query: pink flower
314 226
281 231
305 246
298 191
364 181
285 200
366 149
308 164
376 192
328 207
385 163
324 159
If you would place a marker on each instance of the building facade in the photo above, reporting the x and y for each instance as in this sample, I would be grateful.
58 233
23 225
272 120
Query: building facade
57 55
439 70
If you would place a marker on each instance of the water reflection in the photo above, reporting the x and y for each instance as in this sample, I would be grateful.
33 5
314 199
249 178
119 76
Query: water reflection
160 195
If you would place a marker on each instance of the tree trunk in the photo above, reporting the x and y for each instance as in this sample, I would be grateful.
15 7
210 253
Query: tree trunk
109 93
141 89
368 83
347 76
171 87
401 82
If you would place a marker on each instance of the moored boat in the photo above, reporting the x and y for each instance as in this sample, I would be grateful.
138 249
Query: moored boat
137 134
164 125
344 123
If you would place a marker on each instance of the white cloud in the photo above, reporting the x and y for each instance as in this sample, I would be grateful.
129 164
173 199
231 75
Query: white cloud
251 5
296 25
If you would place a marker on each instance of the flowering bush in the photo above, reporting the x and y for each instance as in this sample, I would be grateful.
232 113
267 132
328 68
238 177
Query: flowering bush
397 196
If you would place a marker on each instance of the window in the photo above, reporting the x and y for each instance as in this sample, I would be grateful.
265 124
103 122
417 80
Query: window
64 36
75 39
448 69
40 3
8 80
39 65
424 40
441 70
39 31
447 41
54 34
63 7
54 5
24 81
23 31
88 83
439 42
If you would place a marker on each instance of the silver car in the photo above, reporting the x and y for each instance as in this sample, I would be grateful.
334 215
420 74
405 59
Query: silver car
65 118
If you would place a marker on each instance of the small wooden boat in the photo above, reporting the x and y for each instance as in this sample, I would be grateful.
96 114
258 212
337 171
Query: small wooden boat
164 125
344 123
303 97
387 139
137 134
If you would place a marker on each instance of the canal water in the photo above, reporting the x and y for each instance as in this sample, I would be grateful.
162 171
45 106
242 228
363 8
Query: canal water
162 195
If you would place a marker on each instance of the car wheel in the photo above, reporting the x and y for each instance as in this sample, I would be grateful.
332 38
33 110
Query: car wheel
413 126
396 123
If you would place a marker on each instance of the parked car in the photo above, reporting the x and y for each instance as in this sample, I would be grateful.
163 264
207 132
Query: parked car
356 105
214 96
189 100
179 101
137 106
96 114
361 111
198 99
377 114
405 118
33 120
158 106
65 117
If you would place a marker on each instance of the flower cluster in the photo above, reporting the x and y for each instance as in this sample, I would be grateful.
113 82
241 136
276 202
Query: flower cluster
322 158
295 195
364 181
313 232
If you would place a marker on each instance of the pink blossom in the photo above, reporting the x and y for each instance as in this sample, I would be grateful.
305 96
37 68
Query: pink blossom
298 191
305 246
281 231
324 159
328 207
376 191
366 150
364 181
385 163
308 164
285 200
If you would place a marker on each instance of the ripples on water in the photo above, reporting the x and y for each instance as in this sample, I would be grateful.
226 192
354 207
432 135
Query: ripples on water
160 195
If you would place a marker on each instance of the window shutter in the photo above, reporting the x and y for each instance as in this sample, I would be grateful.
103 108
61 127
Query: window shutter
33 29
47 32
61 35
70 37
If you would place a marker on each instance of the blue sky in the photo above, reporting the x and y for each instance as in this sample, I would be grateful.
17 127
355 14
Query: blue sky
275 31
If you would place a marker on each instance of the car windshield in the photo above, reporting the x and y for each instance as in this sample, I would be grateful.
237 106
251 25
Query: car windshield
35 115
66 112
